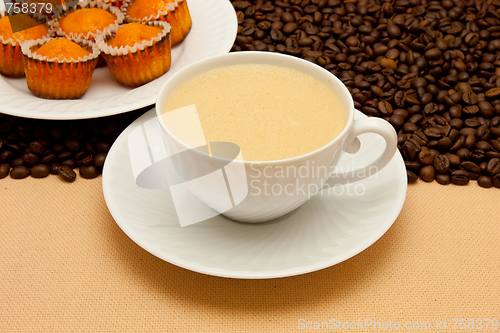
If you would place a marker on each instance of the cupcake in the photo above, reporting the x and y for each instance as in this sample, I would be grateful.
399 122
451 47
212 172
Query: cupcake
11 57
184 16
87 20
137 53
59 68
175 12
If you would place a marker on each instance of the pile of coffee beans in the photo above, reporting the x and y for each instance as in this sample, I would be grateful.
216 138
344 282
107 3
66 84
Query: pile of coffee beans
430 68
42 147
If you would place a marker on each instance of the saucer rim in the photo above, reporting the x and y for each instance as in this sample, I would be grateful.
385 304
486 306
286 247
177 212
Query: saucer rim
220 272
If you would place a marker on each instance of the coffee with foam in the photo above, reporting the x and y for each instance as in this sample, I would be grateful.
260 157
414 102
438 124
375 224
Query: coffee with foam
271 112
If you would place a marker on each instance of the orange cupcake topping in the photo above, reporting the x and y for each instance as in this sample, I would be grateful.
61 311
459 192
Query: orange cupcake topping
35 32
143 9
86 20
62 49
133 33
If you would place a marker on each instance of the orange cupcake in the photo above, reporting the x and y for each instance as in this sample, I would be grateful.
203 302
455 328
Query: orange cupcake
184 16
87 20
175 12
11 57
59 68
137 53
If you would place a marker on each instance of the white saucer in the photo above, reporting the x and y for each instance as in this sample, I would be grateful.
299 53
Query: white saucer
328 229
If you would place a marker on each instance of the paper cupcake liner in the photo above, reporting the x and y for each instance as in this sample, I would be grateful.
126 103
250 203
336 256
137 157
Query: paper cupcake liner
58 79
11 59
88 4
102 40
116 3
141 63
15 41
11 56
179 27
153 17
184 17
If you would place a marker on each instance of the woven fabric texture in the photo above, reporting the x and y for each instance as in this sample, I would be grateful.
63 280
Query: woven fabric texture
66 266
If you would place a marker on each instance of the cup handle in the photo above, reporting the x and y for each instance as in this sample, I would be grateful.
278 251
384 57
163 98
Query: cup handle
367 125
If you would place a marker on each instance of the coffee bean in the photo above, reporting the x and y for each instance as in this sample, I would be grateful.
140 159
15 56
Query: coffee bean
420 137
412 177
441 164
453 159
89 171
472 168
99 160
54 168
71 163
49 159
73 144
463 153
431 108
460 177
496 180
425 157
287 17
19 172
433 54
443 178
388 63
444 144
37 148
6 156
394 31
470 141
471 39
16 162
483 145
433 132
470 97
4 170
397 121
485 181
66 173
412 165
477 155
427 173
493 166
495 145
410 127
493 93
64 155
30 159
486 109
40 171
289 28
103 147
83 158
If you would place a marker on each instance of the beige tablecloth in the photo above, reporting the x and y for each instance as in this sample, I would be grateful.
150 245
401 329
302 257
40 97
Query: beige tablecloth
66 266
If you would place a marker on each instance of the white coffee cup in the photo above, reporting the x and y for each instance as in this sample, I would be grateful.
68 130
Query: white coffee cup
271 194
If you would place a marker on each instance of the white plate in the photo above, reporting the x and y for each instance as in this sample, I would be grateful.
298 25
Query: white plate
326 230
214 30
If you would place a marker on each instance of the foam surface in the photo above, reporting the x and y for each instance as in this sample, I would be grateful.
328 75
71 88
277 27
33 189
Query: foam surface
271 112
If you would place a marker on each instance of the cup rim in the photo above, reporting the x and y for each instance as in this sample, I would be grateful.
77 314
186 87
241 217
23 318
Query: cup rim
258 55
